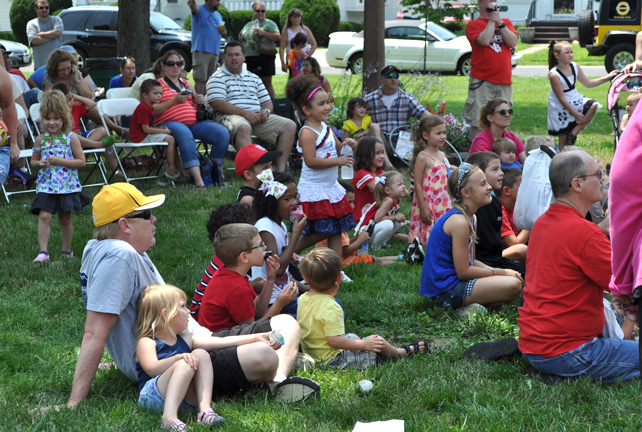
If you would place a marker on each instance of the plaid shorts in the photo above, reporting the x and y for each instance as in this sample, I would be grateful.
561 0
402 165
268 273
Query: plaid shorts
353 358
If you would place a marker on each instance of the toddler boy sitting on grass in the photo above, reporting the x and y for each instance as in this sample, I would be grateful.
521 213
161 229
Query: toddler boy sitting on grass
321 319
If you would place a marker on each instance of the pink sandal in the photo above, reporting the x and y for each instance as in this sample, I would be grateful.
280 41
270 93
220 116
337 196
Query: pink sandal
209 418
175 426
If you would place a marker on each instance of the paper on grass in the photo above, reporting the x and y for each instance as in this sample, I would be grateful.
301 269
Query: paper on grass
380 426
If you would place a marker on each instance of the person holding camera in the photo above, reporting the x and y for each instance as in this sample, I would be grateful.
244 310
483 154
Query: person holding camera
244 107
181 110
491 38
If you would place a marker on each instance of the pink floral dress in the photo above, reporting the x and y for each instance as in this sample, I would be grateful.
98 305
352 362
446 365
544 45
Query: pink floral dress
435 195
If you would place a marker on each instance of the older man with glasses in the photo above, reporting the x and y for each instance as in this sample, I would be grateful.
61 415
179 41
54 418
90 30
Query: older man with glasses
44 33
115 269
561 323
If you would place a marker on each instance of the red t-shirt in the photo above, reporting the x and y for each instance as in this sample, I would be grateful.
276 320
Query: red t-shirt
17 72
143 115
493 62
363 195
569 268
228 300
78 111
508 224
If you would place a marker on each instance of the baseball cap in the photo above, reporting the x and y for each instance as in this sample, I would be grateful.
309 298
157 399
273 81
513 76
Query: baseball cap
251 155
68 48
388 69
119 199
4 50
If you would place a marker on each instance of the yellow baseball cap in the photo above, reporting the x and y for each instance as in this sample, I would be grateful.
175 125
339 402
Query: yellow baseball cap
119 199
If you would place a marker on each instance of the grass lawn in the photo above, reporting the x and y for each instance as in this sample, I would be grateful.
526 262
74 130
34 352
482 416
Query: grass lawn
580 56
43 321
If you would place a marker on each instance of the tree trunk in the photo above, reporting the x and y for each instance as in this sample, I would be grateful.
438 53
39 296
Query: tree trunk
134 32
373 46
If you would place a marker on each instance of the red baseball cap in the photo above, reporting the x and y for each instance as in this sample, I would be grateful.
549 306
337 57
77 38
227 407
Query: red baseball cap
251 155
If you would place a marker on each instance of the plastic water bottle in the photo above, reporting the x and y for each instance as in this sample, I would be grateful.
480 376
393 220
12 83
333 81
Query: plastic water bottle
346 171
363 249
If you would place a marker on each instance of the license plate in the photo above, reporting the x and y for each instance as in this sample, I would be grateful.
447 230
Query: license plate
26 58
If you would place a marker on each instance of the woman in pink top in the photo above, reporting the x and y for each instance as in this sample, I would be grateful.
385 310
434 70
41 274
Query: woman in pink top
494 118
177 110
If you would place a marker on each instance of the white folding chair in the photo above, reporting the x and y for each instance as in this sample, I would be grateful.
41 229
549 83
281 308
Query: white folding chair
119 93
92 155
126 106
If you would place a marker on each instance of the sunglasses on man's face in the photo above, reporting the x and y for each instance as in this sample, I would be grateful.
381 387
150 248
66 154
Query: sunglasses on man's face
259 10
146 214
43 7
174 63
504 112
392 75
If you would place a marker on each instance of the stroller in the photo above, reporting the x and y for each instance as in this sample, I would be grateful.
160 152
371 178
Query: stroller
632 83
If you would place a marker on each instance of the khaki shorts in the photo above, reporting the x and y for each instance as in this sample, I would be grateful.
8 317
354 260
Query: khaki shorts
479 93
203 65
268 131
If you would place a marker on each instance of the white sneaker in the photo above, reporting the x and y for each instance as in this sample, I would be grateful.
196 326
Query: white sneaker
345 278
472 308
42 257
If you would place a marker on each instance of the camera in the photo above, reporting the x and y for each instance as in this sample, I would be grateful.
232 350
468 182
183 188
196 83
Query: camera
186 93
497 8
203 114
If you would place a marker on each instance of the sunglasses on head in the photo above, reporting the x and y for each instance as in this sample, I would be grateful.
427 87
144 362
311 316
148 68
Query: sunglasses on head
504 112
392 75
259 10
172 63
146 214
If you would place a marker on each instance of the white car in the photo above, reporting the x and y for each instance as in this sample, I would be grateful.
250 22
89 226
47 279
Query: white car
406 41
20 55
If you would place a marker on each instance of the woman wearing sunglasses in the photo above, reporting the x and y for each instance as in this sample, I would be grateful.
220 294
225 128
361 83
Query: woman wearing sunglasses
258 37
177 110
494 118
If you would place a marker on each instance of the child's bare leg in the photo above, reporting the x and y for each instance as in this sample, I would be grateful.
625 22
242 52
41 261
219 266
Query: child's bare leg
400 236
587 119
516 253
173 385
561 142
334 243
44 229
67 230
200 389
311 239
170 155
97 134
494 290
396 352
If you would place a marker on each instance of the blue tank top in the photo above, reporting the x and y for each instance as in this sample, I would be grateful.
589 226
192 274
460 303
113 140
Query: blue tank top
163 350
438 274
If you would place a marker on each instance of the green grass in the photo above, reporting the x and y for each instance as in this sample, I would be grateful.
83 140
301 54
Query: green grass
43 319
580 56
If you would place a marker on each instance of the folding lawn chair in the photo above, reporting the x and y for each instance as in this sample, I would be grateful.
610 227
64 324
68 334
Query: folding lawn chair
24 154
399 142
119 93
126 106
92 155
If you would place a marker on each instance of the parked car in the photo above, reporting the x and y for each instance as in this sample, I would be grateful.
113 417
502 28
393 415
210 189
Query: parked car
92 31
20 55
613 34
406 41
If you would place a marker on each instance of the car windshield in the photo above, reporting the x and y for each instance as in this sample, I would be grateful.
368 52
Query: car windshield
441 32
163 22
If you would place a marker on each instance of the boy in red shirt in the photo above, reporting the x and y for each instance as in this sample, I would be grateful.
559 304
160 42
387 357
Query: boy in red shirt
141 126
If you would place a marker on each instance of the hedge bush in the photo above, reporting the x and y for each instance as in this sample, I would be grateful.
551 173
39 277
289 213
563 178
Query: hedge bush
321 16
22 11
350 26
225 14
238 19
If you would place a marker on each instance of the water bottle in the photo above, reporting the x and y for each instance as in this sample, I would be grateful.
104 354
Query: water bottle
363 249
346 171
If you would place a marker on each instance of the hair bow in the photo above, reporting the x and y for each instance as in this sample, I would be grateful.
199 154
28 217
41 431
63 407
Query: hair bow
269 186
380 179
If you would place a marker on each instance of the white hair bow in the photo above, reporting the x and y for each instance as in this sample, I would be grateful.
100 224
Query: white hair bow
269 185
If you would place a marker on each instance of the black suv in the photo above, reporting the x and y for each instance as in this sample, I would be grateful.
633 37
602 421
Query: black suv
92 31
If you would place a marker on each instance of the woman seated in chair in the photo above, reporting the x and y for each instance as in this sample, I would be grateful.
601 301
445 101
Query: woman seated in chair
127 74
494 118
178 110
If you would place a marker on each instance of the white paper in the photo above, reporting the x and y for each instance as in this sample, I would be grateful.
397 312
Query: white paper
380 426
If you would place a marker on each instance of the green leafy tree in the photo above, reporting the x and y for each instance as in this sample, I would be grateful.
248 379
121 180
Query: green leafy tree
22 11
321 16
436 10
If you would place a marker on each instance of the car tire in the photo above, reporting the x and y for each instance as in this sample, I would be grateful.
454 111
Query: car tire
619 56
187 58
463 65
356 63
586 26
82 57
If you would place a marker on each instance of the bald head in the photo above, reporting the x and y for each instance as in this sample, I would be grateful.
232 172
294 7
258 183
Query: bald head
565 167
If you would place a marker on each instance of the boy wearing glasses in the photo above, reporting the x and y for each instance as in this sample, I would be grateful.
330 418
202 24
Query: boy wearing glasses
44 33
229 299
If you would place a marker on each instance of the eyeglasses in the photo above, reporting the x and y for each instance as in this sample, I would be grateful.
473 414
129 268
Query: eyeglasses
67 69
146 214
43 7
174 63
504 112
392 75
260 245
259 10
598 174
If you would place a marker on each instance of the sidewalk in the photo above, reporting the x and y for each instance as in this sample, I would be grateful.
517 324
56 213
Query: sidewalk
533 48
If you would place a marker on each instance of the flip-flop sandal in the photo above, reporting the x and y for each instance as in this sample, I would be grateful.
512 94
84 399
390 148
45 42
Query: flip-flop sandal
417 350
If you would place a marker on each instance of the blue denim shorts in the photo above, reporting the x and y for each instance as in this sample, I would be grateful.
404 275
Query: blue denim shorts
456 297
151 398
5 152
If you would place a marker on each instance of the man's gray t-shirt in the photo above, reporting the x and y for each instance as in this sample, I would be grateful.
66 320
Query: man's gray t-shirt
112 275
41 52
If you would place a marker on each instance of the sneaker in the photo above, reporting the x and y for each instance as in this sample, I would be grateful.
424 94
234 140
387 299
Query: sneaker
209 418
345 278
495 350
162 181
295 389
66 254
257 389
303 362
108 141
472 308
175 426
42 257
